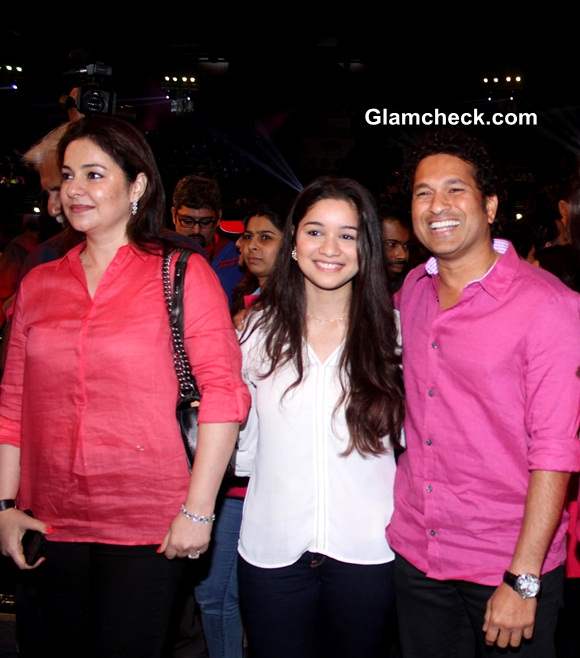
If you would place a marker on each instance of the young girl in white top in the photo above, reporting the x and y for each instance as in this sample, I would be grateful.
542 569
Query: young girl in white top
320 358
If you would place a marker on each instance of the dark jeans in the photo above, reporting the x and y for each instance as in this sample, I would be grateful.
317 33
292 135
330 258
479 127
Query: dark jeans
97 600
444 618
316 608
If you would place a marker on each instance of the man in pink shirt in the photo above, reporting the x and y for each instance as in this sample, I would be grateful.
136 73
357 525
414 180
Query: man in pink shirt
490 350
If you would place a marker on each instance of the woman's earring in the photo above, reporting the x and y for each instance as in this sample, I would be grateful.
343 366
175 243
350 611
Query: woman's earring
134 207
294 254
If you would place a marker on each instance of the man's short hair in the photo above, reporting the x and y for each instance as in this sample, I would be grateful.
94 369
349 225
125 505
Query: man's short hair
461 145
46 148
395 213
197 192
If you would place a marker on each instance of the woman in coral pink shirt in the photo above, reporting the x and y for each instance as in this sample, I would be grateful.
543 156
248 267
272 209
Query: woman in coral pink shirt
88 436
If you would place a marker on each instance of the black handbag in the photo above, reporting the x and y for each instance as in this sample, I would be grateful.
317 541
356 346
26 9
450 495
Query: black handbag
188 401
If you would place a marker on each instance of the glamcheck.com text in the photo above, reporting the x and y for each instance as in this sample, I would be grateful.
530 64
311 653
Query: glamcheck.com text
384 117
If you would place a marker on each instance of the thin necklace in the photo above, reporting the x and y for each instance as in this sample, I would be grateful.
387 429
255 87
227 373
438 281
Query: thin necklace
339 318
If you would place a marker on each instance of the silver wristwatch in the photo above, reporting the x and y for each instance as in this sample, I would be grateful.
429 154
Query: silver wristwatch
526 584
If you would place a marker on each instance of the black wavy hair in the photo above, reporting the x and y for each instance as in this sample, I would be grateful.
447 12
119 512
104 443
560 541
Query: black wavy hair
460 144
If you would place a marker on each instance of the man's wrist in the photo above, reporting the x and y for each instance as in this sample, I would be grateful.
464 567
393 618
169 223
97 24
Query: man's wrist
527 585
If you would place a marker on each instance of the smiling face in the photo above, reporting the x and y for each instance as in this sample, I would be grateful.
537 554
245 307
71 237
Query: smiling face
451 217
326 244
95 193
259 246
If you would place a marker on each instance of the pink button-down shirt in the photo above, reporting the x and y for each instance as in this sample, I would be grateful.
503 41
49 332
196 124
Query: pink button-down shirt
492 394
89 393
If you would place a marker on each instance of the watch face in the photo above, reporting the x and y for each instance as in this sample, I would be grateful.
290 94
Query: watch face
527 586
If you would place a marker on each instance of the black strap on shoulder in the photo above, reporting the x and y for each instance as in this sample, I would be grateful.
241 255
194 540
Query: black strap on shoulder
174 301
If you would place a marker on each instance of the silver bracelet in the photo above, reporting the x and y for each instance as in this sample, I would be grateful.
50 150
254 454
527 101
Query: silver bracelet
197 518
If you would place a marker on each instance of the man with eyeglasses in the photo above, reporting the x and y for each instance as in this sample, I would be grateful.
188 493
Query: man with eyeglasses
196 214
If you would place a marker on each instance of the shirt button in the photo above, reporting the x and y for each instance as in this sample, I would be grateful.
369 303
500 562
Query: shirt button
431 392
428 442
432 533
435 345
429 488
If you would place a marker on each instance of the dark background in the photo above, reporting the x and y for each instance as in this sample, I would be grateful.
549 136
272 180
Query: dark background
278 101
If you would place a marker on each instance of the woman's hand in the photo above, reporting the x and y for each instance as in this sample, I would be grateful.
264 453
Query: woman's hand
215 442
13 524
185 538
240 319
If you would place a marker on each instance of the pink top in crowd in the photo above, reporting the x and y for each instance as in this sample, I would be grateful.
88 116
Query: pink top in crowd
89 394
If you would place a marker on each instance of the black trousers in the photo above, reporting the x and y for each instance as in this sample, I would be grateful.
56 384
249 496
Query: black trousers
97 600
317 608
444 618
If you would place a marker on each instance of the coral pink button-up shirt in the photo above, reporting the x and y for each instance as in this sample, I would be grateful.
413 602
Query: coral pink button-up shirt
492 394
89 394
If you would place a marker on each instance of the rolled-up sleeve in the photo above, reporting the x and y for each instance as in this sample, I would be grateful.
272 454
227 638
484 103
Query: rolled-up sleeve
13 378
212 346
552 386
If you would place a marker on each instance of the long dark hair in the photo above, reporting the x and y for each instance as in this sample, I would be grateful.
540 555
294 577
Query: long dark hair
370 373
126 145
249 281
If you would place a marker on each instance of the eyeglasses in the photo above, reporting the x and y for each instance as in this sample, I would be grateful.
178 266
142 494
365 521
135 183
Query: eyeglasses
190 222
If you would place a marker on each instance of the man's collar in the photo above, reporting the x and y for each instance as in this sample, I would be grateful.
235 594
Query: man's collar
500 274
499 246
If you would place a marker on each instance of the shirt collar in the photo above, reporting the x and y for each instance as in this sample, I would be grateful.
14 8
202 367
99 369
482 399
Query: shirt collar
138 252
74 253
500 275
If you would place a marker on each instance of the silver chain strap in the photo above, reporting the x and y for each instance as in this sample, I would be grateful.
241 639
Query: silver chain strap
187 385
